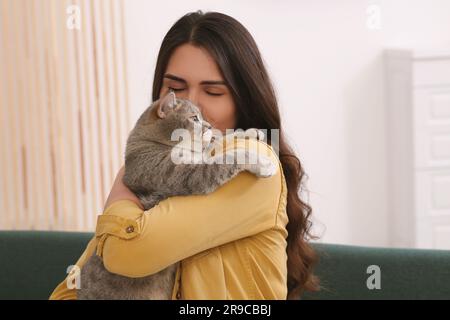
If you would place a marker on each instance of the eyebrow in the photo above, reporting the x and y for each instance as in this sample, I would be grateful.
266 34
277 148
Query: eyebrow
204 82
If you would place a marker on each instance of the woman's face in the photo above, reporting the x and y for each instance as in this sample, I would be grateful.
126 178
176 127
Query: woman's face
193 74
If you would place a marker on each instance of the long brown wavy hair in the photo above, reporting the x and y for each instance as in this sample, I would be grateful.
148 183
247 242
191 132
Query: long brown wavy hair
239 60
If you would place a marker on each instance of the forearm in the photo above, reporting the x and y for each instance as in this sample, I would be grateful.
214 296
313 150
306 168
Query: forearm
120 192
182 226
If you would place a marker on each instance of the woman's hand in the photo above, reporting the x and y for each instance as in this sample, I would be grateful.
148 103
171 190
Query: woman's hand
120 192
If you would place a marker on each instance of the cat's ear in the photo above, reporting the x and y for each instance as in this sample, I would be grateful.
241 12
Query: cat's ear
167 103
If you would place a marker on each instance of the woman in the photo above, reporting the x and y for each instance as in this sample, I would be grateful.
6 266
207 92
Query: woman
232 243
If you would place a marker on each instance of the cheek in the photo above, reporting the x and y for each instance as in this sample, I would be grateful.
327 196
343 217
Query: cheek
222 114
162 92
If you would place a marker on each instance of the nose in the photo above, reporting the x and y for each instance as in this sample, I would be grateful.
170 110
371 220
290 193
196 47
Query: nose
199 105
193 96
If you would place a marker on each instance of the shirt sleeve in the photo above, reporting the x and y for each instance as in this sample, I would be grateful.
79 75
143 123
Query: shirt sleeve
137 243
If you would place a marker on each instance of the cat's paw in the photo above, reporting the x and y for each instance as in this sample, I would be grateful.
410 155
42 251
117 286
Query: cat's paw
264 167
267 167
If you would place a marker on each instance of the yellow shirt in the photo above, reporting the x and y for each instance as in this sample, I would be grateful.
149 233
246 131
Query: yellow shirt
231 242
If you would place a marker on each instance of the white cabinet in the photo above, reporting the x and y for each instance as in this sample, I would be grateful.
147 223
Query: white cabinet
418 131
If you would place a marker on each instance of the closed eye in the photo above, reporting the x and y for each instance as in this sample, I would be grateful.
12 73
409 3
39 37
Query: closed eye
207 92
176 89
214 94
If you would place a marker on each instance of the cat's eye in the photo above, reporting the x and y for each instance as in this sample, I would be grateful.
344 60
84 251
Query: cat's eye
196 118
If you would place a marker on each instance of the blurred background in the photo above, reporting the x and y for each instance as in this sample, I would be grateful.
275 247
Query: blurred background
363 87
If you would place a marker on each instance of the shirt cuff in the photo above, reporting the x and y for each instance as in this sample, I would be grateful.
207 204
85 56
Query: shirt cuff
119 220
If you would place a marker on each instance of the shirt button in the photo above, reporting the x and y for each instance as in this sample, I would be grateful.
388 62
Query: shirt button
129 229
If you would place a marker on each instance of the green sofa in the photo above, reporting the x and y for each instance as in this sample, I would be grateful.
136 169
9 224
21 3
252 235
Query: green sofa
34 262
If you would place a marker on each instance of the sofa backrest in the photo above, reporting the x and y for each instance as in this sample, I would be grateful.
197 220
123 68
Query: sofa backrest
33 263
405 273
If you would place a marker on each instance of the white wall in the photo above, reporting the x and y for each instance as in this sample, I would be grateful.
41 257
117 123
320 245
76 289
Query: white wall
326 65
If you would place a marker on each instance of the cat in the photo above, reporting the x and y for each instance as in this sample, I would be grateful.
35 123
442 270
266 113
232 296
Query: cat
152 175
